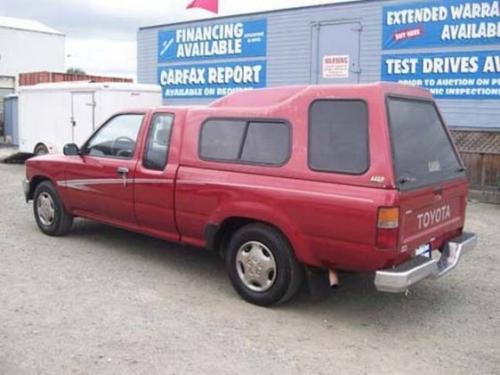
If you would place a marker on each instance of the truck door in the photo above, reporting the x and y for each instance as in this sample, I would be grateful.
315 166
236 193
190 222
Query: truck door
100 181
155 176
336 52
82 116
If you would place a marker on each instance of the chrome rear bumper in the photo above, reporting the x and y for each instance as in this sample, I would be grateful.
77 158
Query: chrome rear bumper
399 279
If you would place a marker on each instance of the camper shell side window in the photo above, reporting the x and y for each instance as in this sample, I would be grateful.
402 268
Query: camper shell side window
246 141
338 136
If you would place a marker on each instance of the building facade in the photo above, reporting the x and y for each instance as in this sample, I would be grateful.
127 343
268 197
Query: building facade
29 46
26 46
450 47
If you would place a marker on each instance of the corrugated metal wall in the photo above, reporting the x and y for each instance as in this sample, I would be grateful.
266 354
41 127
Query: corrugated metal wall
289 53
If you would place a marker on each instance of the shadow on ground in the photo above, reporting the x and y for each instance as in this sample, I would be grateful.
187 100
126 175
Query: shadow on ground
355 301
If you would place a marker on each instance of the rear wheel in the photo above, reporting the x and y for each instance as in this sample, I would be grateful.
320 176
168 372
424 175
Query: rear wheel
262 266
50 215
41 149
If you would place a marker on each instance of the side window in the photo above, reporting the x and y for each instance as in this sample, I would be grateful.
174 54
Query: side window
157 145
266 142
221 139
254 142
117 138
338 136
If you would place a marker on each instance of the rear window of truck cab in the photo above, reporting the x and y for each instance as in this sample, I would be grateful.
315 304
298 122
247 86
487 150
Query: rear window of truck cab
338 136
422 149
263 142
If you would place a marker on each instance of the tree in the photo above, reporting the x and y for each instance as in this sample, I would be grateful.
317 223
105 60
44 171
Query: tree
75 71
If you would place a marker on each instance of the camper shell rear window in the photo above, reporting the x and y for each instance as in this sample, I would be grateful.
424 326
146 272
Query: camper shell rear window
423 152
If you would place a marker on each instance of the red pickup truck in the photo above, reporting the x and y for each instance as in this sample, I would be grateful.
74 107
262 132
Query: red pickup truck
284 183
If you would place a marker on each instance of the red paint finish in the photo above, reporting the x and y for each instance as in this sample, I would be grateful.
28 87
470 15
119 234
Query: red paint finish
114 199
429 214
329 218
154 194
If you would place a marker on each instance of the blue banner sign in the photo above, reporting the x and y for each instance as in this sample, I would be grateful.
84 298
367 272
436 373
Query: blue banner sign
211 80
215 41
441 23
456 75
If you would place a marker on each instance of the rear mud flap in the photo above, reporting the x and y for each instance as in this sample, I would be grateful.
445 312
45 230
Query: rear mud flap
318 283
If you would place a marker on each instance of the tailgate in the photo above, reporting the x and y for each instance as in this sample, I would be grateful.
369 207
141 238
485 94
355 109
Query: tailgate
431 215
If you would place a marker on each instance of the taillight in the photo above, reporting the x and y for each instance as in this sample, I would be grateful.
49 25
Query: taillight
387 227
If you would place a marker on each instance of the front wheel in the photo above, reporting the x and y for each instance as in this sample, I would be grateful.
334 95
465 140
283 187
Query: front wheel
50 215
41 149
262 265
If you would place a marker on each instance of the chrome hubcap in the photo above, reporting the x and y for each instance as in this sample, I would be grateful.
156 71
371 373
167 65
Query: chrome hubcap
256 266
45 209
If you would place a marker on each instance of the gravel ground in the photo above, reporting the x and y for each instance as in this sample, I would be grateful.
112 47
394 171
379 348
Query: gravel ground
104 301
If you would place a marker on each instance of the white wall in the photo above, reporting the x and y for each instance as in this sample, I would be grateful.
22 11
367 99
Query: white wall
28 51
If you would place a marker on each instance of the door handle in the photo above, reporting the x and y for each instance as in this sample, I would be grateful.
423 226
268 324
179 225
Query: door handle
123 171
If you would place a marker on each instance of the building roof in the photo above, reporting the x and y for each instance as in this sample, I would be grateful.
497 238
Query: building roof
27 25
90 86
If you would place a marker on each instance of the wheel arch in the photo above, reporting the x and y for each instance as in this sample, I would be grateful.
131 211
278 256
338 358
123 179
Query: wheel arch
35 181
217 235
40 144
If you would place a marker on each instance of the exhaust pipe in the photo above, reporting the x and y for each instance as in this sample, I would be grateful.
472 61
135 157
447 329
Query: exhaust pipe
333 278
320 282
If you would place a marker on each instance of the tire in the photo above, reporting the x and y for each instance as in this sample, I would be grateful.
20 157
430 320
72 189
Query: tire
41 149
50 215
262 266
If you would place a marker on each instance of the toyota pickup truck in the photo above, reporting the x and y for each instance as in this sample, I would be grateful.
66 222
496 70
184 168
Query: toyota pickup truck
287 184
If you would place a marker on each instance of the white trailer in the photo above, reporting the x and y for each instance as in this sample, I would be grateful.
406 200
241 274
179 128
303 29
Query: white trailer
53 114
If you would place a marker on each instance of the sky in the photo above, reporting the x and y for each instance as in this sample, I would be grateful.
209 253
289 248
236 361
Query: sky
101 34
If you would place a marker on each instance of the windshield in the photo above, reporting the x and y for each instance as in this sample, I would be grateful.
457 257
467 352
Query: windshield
423 152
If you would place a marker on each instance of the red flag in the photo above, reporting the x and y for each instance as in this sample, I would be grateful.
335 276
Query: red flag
210 5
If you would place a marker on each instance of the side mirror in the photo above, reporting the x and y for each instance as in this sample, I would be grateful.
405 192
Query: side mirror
71 150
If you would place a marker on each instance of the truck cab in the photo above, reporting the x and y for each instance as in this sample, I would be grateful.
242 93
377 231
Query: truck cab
284 183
